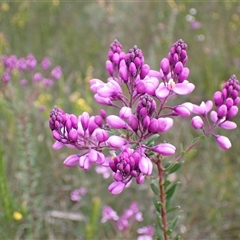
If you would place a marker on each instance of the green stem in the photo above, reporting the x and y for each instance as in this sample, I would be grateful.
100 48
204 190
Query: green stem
162 198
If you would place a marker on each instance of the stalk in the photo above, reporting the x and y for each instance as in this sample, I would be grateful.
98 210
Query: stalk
162 198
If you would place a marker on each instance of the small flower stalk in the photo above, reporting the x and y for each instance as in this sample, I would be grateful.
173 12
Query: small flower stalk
127 143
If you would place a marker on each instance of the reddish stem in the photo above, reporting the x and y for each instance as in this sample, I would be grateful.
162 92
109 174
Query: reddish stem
162 197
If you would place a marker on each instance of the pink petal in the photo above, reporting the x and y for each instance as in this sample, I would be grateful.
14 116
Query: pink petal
229 125
183 88
57 145
214 116
116 187
162 91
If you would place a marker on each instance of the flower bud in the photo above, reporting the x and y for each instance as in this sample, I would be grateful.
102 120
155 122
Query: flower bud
183 75
222 111
145 165
165 149
144 71
116 142
73 135
109 67
178 68
116 187
223 142
133 122
71 160
164 65
232 112
125 112
197 122
115 122
217 98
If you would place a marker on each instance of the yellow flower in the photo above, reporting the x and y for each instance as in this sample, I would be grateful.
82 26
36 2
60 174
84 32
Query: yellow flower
17 216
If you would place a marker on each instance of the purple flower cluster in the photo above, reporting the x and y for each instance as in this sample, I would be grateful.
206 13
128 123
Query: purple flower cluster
125 222
140 95
226 104
11 64
77 194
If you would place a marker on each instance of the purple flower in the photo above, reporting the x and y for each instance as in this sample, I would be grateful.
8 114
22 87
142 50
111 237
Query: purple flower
6 77
165 89
76 195
116 122
71 160
147 85
56 73
125 112
37 77
203 109
222 122
108 214
110 89
197 122
21 64
116 141
23 82
31 62
183 110
116 187
145 165
165 149
195 25
223 142
45 63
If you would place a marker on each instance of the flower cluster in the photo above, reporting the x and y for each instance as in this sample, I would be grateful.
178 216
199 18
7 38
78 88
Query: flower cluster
13 65
226 104
140 95
77 194
125 222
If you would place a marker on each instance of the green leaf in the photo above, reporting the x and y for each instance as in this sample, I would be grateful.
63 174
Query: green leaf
167 165
173 209
175 167
171 191
157 204
154 188
172 224
151 141
159 233
167 183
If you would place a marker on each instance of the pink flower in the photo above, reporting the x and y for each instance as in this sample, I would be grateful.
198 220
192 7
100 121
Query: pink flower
116 187
166 88
197 122
145 165
165 149
223 142
203 109
147 85
116 122
116 141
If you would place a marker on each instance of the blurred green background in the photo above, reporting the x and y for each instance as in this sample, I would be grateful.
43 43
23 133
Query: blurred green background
76 36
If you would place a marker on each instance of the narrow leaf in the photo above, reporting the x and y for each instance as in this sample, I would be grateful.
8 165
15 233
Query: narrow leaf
173 209
171 191
175 167
173 223
151 141
157 204
167 183
154 189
